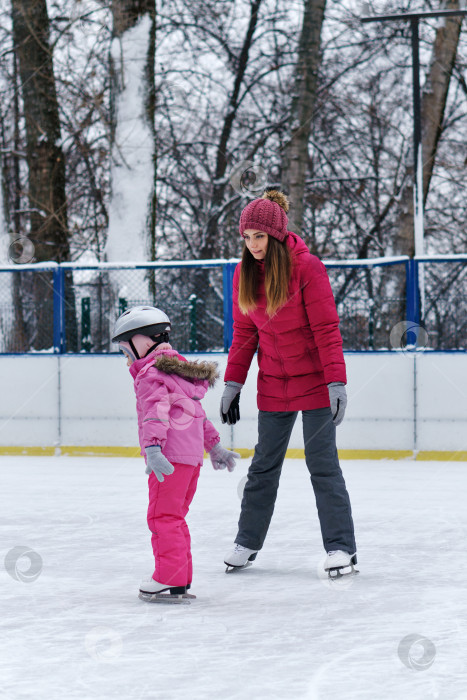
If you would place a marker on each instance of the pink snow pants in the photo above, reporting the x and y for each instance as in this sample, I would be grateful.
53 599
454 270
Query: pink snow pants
169 502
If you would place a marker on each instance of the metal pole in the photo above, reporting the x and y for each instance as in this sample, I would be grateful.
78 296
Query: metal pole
417 139
418 160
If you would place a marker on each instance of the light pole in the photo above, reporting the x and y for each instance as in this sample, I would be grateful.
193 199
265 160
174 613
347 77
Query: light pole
414 18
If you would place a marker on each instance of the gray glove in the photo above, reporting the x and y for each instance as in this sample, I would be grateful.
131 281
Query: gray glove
230 409
157 463
222 458
338 399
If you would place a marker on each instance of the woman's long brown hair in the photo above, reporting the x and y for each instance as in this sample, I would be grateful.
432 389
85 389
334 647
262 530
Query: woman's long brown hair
277 272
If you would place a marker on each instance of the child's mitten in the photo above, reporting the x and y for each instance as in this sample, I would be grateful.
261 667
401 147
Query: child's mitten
222 458
157 463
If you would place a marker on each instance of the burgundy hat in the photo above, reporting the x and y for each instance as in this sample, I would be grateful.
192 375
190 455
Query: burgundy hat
266 215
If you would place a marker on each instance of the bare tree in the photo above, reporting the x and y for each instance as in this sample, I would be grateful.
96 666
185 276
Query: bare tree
210 246
46 165
433 107
296 159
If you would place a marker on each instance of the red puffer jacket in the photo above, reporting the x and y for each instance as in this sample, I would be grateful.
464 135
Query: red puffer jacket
299 348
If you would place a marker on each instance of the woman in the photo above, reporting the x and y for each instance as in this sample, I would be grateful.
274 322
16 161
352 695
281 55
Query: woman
283 307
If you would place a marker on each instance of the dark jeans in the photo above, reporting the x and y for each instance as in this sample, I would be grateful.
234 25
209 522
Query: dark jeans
332 499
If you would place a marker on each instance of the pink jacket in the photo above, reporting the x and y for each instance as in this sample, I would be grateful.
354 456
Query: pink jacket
299 348
168 391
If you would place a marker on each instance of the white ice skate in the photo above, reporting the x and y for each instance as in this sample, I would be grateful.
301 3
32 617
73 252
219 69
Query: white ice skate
152 591
239 558
339 564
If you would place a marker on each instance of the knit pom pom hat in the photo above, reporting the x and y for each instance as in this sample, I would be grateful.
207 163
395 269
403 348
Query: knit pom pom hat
268 214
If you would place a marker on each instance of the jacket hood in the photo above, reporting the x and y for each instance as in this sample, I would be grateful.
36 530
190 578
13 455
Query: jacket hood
196 370
296 244
194 376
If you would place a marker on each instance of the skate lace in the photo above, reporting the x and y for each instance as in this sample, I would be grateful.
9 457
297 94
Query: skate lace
239 548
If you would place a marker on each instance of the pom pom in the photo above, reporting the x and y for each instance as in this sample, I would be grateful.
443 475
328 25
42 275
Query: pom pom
278 197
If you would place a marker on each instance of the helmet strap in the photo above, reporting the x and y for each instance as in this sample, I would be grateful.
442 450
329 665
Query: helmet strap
158 339
134 349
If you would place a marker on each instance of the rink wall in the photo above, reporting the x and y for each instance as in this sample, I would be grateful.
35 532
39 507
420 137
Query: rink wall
400 405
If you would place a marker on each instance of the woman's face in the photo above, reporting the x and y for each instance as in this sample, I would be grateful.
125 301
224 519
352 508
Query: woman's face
257 242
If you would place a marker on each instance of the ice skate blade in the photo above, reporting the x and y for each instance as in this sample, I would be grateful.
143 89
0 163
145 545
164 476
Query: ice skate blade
230 568
166 598
335 573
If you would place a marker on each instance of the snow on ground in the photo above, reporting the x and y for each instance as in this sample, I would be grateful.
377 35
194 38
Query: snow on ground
76 629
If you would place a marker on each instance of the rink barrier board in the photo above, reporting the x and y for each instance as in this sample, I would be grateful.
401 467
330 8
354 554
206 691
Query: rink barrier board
118 451
399 406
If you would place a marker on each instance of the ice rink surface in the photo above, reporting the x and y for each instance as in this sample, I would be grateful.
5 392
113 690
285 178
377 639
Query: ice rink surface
74 628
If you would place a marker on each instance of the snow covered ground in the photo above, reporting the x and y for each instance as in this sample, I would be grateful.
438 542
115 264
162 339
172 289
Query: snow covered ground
76 629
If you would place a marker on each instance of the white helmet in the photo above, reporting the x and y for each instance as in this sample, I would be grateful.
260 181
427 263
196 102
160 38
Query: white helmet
146 320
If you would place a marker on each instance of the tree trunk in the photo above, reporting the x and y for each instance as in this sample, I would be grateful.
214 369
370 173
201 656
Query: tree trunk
132 211
46 166
295 159
126 13
151 120
133 142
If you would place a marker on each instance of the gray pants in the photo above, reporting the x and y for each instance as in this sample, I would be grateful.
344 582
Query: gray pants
332 499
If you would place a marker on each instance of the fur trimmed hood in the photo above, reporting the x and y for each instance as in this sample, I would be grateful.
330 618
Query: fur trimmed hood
198 370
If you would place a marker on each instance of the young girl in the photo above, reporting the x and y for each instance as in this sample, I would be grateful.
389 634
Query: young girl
173 432
283 306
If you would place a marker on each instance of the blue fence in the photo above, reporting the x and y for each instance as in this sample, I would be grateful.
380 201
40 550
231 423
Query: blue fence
72 308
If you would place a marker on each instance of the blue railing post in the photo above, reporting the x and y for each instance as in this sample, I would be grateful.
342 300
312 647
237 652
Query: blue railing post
228 273
59 310
412 301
